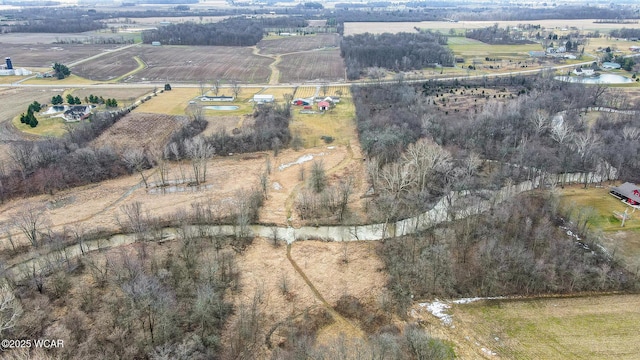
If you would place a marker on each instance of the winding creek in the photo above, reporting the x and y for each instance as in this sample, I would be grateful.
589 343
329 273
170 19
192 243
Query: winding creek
453 206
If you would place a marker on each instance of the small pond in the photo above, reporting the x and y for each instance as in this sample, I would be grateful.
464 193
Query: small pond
602 79
222 107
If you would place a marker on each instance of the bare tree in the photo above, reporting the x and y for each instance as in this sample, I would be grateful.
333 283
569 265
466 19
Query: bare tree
10 309
135 220
376 73
324 88
425 159
235 89
203 87
215 87
561 132
137 161
31 220
199 152
317 179
22 153
540 121
396 179
345 188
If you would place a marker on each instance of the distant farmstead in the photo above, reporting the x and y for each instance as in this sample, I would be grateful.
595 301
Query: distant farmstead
627 192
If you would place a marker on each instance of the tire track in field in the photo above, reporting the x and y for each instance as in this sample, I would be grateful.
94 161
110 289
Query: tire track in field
341 322
275 72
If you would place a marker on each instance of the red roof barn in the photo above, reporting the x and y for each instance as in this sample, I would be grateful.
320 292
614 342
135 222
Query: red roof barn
323 105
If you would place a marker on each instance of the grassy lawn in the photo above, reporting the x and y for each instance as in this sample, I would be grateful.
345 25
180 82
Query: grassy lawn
478 48
603 205
338 123
602 327
623 242
173 102
47 126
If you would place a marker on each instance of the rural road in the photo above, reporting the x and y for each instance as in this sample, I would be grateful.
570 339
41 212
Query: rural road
281 85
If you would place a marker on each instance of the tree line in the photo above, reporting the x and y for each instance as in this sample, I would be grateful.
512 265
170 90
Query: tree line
397 52
517 248
49 165
229 32
496 35
269 131
625 33
419 146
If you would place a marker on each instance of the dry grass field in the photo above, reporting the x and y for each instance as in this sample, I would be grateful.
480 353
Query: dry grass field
324 65
34 55
594 327
198 63
173 102
51 38
351 28
291 44
265 268
140 131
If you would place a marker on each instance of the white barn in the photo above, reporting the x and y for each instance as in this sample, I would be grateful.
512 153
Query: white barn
263 98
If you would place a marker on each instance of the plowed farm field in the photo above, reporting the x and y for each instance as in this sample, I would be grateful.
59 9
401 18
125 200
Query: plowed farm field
291 44
39 55
186 63
326 65
107 67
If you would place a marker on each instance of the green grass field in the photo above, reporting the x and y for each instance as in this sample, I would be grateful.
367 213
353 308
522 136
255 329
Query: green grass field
595 327
47 126
622 242
603 204
470 48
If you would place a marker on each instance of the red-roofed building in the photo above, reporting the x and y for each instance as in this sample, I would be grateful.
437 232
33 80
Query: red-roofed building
324 105
627 192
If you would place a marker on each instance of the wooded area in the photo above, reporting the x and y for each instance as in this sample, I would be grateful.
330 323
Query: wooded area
236 31
397 52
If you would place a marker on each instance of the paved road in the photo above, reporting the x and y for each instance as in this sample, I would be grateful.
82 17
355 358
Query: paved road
196 85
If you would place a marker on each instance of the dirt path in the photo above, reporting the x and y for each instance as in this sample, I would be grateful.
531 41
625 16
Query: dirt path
341 325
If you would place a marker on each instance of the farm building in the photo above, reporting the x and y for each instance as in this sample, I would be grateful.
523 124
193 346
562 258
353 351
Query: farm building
627 192
324 105
156 43
8 70
217 98
263 98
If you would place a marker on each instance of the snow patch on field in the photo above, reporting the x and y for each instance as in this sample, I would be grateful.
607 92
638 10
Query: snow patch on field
301 160
439 308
